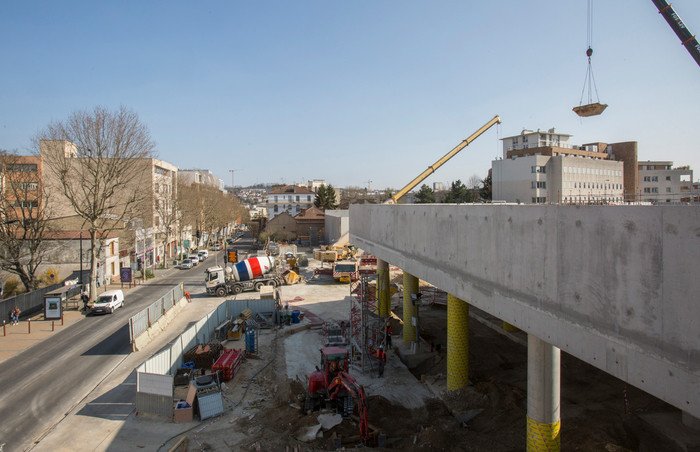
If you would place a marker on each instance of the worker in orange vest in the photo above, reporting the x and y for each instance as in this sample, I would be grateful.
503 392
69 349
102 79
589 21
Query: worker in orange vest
388 334
381 360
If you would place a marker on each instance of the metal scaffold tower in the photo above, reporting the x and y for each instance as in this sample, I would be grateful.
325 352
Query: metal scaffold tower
366 327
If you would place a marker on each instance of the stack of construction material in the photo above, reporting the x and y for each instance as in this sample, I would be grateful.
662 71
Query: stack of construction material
203 355
228 363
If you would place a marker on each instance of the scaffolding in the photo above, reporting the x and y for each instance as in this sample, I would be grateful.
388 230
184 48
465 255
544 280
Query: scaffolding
366 327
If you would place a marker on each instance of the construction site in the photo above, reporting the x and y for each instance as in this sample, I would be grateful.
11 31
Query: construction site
312 382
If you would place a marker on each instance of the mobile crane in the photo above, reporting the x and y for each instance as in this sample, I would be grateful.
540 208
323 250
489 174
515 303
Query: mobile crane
687 39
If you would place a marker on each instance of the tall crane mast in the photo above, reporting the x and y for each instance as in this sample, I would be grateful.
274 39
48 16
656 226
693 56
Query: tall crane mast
687 39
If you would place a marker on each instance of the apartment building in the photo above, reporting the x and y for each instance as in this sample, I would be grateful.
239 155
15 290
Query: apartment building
543 167
145 235
20 187
659 182
290 198
202 177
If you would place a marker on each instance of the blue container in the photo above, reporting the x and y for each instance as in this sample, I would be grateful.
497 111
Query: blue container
295 316
250 341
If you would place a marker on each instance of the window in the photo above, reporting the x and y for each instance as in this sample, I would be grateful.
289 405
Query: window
668 177
112 249
25 185
539 184
651 190
538 169
297 198
654 178
22 167
668 189
308 197
27 204
539 200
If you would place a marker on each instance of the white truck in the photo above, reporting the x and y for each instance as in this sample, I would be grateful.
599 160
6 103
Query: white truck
249 274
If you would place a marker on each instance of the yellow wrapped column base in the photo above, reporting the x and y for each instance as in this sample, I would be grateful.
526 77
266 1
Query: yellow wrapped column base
543 437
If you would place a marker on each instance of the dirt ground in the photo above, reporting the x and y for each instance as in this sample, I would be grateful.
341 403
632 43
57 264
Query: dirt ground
264 403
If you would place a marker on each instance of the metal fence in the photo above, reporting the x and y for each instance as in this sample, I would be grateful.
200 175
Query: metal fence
155 376
139 323
29 302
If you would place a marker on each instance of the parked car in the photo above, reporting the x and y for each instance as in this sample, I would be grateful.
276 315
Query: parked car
108 302
203 255
186 263
217 247
194 258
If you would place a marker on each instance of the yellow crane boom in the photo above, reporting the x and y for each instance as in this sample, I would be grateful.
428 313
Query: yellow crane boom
432 168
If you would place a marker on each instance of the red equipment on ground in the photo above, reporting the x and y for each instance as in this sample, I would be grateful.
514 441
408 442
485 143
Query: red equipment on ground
228 363
333 384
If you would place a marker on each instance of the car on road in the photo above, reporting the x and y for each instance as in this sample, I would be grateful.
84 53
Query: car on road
194 258
203 255
186 263
108 302
217 247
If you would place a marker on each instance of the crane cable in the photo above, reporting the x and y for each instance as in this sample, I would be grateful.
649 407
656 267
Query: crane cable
589 81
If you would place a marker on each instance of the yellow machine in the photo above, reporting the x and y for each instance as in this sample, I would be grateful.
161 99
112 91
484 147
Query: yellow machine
432 168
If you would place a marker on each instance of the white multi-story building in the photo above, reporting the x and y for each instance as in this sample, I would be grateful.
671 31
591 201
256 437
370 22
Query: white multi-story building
200 176
659 182
542 167
290 198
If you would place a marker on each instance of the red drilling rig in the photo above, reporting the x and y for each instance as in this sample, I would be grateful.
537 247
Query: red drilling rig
333 385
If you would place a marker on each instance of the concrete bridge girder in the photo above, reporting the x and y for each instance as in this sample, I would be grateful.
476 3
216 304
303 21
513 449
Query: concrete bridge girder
614 286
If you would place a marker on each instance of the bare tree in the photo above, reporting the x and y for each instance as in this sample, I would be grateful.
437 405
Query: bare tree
23 218
93 160
169 217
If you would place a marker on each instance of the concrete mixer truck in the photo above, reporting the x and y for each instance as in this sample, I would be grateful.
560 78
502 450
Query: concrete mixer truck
249 274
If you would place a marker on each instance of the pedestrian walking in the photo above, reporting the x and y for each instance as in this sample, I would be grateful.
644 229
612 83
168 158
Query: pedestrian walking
86 299
15 315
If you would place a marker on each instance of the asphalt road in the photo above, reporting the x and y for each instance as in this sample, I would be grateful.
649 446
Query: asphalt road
43 383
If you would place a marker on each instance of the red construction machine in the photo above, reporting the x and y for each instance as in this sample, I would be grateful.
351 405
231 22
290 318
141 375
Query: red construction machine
333 385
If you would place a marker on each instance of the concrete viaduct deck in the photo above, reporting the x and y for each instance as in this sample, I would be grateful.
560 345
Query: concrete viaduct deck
616 286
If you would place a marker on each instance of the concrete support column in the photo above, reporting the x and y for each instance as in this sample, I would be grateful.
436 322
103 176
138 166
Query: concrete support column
457 343
383 294
410 286
543 415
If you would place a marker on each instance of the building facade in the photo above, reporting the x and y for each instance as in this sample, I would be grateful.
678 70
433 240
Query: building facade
290 198
543 167
659 182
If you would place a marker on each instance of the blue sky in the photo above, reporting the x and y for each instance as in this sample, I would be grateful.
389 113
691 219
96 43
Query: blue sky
288 91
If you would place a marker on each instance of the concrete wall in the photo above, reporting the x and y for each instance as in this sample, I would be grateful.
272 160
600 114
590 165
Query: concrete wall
336 225
615 286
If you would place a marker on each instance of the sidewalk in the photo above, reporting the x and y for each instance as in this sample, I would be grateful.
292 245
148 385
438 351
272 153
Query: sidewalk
35 329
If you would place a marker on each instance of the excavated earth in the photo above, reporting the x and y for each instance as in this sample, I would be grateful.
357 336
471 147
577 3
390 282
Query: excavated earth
263 401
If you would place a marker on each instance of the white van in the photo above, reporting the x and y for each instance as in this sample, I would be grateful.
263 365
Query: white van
203 255
107 302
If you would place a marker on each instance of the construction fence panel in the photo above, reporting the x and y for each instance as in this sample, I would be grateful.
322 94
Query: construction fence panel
139 324
159 363
168 301
155 311
154 394
176 352
201 330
